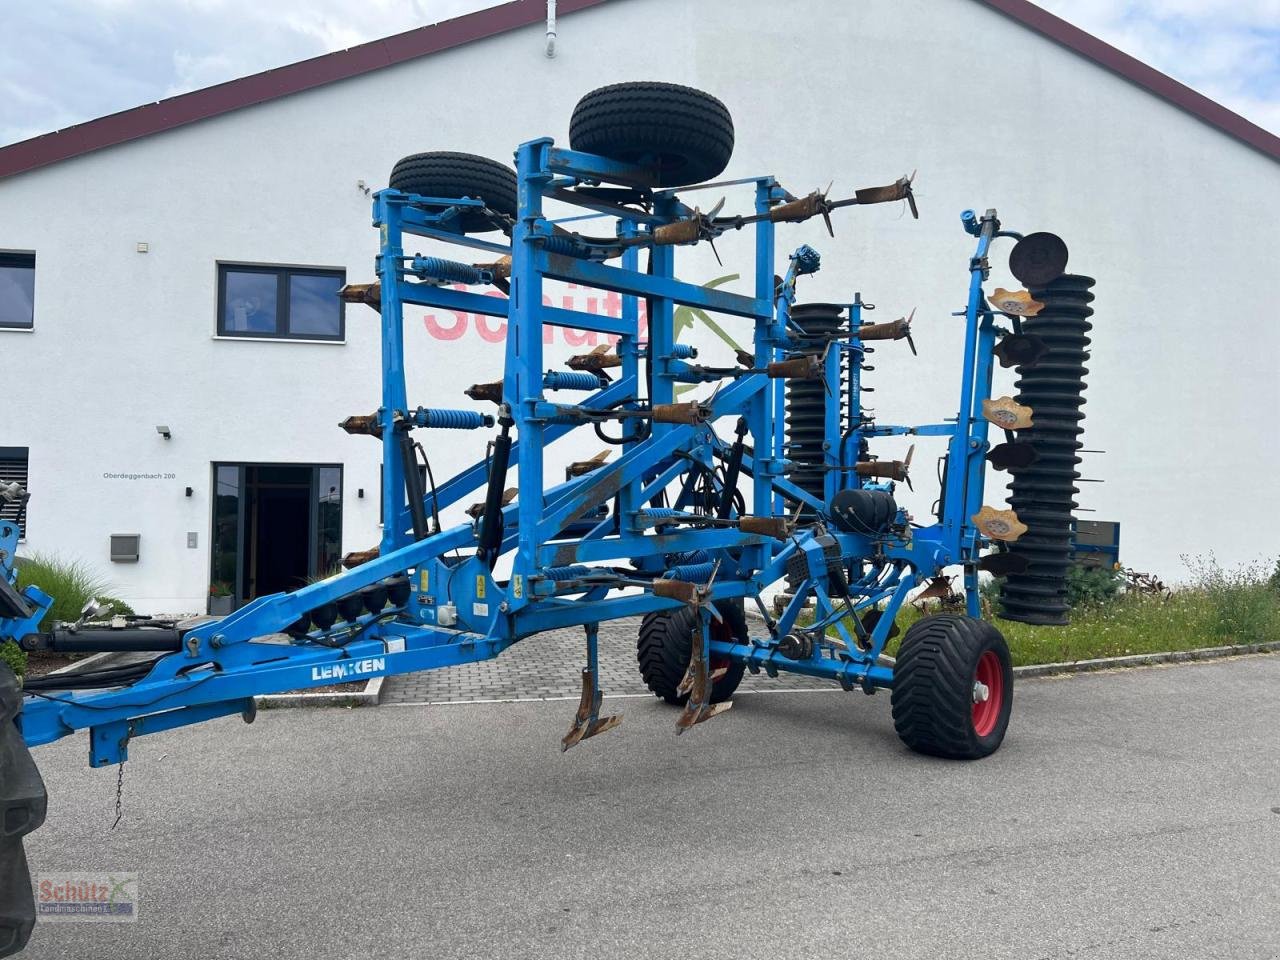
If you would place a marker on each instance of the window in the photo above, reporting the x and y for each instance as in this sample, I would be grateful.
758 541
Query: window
17 291
287 302
13 469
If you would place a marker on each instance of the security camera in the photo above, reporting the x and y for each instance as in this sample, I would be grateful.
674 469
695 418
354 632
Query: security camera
164 432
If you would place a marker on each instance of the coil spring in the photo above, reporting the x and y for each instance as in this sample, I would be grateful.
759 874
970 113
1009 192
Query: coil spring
692 556
690 572
807 402
570 380
574 571
1042 494
449 271
684 351
452 419
659 513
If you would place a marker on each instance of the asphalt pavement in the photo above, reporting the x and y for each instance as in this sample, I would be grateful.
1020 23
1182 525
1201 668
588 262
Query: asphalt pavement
1129 814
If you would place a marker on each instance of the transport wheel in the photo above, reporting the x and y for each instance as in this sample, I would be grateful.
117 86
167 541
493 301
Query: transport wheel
453 176
688 133
666 643
23 803
952 687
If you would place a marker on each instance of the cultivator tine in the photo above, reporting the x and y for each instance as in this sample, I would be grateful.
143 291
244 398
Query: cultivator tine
697 683
587 722
692 412
369 294
581 467
899 329
597 361
362 424
1007 413
486 391
476 509
357 557
779 528
806 367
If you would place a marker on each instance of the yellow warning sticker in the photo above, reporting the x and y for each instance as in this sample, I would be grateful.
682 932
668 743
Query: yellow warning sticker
517 586
480 586
424 580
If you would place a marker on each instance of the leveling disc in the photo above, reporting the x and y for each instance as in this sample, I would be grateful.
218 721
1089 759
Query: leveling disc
1038 258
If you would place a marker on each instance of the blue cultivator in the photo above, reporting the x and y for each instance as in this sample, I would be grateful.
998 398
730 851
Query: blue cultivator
769 486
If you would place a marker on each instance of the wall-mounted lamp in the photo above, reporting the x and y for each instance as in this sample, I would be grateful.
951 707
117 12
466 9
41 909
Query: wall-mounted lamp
190 491
360 493
163 430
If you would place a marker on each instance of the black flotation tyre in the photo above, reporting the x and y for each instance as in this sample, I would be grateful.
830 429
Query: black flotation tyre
666 642
952 687
686 132
453 176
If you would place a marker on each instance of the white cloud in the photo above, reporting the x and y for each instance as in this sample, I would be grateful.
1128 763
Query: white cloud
1229 50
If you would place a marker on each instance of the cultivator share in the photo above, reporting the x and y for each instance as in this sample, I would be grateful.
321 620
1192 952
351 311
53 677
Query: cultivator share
771 484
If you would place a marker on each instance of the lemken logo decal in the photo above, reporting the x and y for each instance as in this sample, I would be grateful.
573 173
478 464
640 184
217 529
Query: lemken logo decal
353 668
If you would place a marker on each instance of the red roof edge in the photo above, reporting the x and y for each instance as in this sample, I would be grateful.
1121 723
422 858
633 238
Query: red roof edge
260 87
308 74
1135 71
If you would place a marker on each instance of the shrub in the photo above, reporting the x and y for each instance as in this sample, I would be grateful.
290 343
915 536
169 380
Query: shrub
14 656
1244 607
1092 586
71 583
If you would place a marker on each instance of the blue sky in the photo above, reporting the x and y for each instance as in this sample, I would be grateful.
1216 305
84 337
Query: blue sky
66 61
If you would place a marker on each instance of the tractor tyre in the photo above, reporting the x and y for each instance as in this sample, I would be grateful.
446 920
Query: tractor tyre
952 687
23 803
453 176
686 133
665 645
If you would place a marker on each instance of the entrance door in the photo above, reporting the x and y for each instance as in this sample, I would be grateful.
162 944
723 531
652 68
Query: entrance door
275 526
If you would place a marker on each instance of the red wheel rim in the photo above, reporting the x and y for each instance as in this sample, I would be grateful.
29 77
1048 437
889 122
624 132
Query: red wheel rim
720 630
989 675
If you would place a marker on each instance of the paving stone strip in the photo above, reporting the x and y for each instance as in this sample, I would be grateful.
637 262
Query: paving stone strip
550 665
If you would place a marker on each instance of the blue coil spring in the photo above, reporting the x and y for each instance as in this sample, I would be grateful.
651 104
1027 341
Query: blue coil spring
570 380
452 419
574 571
559 244
449 271
659 513
684 351
692 556
690 572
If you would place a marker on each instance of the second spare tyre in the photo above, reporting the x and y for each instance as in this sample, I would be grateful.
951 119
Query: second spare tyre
686 133
453 176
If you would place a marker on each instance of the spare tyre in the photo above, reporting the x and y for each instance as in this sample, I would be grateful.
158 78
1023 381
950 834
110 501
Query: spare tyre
686 133
454 176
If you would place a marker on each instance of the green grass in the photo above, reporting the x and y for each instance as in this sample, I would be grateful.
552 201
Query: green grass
1219 608
70 582
1130 625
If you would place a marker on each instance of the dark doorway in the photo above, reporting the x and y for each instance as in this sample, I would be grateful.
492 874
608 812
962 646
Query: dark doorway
275 526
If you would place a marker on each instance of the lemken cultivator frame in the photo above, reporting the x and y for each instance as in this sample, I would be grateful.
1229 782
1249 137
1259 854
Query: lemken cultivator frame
770 485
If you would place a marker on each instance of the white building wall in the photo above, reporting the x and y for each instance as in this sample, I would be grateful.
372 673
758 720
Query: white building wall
1179 223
